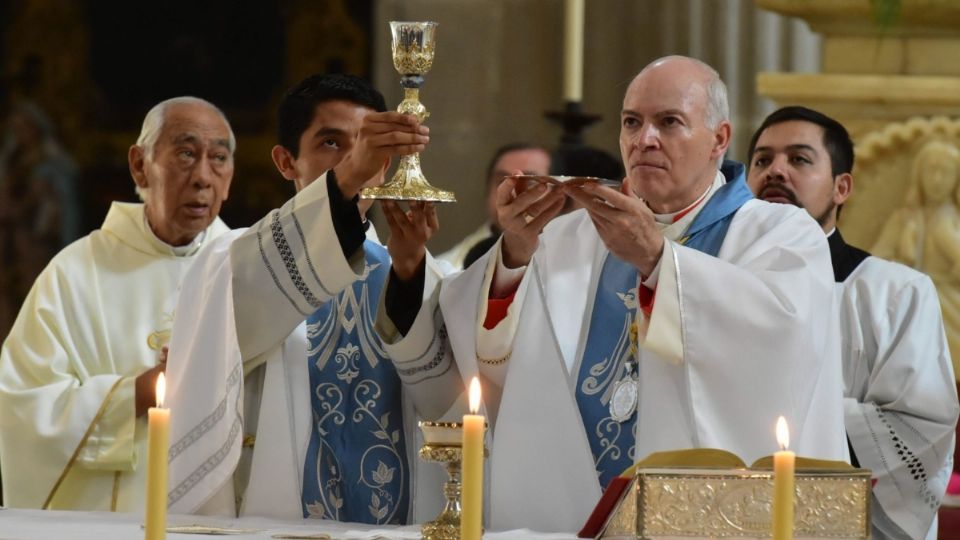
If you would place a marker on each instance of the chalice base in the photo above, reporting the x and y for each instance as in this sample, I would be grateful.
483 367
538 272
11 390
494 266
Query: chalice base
445 527
408 184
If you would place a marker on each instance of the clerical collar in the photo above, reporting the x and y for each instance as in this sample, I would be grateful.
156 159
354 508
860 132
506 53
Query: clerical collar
177 251
666 219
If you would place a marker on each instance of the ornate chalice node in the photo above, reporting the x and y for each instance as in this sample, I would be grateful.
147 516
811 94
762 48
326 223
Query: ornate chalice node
413 48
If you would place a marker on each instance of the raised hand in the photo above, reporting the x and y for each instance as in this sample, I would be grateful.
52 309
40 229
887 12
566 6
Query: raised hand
409 232
624 223
382 136
523 213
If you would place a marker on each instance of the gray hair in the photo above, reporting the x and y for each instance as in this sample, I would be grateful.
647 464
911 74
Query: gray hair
153 122
718 106
153 125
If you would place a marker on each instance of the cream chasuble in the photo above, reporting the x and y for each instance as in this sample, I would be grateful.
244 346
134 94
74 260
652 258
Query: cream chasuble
732 342
96 318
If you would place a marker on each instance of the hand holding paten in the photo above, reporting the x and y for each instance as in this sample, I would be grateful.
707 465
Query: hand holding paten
382 136
624 223
523 213
409 232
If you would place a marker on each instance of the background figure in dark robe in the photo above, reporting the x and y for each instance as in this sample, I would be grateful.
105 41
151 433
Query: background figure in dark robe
39 213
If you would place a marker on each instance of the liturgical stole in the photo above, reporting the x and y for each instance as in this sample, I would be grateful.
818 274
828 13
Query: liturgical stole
608 349
356 466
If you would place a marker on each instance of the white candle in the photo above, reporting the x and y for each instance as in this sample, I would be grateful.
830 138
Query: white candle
783 481
573 50
158 443
471 513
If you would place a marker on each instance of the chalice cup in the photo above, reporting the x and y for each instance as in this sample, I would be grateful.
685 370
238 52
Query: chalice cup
413 46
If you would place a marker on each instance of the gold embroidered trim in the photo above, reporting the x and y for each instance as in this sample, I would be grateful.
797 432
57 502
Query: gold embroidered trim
494 361
248 441
83 441
116 491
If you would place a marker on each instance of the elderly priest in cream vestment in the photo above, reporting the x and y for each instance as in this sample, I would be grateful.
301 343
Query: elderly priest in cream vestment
719 322
78 368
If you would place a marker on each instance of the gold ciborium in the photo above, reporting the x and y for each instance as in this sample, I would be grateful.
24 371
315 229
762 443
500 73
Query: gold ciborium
413 46
442 441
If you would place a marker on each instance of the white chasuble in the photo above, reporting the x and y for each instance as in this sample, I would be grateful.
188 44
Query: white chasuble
755 342
901 403
244 310
95 319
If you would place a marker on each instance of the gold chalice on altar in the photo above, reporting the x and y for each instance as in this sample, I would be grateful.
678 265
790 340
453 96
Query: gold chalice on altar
442 442
413 46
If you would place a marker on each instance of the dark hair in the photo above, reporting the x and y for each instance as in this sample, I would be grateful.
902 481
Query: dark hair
835 137
506 149
297 107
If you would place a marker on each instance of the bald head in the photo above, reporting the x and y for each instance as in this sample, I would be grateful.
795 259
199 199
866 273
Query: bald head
690 71
673 131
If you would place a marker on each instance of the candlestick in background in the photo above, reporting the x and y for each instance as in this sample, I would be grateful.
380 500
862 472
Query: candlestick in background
158 443
573 50
471 513
783 482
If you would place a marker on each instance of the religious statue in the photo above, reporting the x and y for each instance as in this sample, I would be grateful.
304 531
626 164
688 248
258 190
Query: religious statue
925 232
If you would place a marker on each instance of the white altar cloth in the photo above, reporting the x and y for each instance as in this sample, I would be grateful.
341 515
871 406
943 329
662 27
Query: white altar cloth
22 524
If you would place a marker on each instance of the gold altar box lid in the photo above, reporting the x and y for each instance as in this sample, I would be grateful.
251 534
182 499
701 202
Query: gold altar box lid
691 499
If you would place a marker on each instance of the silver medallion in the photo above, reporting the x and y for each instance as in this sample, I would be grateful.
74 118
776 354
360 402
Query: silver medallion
624 399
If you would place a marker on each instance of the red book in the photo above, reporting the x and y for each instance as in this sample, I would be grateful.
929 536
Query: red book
608 502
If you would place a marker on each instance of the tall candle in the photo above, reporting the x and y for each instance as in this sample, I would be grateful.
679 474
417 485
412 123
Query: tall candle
471 513
158 441
783 492
573 50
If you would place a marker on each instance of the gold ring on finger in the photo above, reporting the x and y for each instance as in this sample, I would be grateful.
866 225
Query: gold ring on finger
527 217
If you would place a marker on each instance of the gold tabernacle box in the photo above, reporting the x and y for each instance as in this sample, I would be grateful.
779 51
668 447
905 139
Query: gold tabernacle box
832 501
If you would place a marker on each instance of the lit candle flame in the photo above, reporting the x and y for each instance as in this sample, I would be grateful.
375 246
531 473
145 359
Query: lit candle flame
783 433
161 389
474 396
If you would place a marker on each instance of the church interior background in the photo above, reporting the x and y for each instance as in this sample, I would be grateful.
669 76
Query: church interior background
76 78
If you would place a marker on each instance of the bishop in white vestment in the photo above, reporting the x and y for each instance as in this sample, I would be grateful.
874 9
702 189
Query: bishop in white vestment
900 402
596 364
97 318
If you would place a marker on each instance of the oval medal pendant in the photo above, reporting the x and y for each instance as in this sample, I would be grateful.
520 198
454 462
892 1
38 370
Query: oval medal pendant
624 400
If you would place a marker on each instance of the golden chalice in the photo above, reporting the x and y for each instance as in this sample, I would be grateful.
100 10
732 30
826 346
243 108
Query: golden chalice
442 441
413 46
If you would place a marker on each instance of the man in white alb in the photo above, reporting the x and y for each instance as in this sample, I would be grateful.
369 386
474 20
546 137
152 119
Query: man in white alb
77 371
678 312
900 404
283 401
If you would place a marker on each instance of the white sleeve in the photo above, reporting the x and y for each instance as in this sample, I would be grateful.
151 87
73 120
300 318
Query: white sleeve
423 358
285 267
901 407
